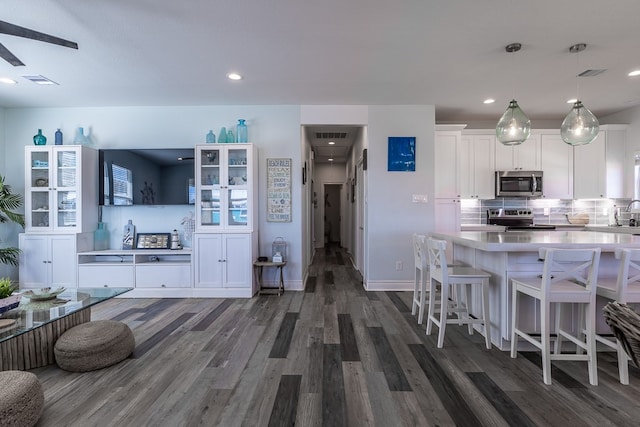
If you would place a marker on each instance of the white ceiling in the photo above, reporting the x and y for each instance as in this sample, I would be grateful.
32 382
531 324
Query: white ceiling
359 52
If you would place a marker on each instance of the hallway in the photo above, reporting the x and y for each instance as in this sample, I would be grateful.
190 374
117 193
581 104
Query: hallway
333 355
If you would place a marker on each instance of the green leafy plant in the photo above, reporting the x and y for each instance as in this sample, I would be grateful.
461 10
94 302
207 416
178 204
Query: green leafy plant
6 287
9 202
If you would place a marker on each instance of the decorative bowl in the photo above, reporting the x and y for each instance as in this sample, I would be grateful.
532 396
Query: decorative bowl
581 218
43 294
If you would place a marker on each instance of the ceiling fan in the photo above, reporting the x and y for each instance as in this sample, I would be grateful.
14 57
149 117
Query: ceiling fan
15 30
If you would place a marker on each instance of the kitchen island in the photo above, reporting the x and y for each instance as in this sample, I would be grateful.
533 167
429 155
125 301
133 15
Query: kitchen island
515 254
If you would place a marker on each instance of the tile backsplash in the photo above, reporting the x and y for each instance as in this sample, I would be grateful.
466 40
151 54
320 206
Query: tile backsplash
545 211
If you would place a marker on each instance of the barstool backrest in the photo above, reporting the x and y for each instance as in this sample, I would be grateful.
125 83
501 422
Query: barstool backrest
628 272
437 257
576 265
419 251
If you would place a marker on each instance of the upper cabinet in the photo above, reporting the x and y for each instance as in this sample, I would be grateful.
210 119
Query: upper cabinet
61 189
557 167
447 141
475 166
226 193
599 166
525 156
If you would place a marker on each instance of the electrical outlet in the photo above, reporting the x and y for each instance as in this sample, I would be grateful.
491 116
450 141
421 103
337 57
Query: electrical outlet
398 265
546 211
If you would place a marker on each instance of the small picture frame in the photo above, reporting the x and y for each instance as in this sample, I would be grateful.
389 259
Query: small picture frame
153 240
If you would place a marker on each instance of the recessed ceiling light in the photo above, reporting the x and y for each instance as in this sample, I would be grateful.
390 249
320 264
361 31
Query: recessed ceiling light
489 101
41 80
572 101
7 80
234 76
332 143
330 159
634 73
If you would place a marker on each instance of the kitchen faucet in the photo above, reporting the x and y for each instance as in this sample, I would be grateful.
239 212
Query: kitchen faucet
631 203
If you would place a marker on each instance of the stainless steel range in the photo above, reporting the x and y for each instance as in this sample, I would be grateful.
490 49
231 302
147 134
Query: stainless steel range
515 219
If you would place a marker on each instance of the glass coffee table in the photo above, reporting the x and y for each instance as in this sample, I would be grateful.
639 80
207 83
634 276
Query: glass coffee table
29 332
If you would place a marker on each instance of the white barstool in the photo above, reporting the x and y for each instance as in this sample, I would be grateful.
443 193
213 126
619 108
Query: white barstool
421 274
568 276
624 289
454 277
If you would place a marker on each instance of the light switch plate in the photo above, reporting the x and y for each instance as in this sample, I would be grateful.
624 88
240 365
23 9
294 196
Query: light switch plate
419 198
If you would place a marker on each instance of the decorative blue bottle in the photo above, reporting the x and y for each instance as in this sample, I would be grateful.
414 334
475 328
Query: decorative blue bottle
101 238
230 137
58 136
39 139
128 236
241 131
222 138
211 137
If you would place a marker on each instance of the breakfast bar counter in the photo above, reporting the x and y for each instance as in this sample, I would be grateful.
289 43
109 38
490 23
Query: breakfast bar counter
516 254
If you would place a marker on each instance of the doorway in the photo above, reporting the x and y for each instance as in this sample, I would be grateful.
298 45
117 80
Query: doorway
332 214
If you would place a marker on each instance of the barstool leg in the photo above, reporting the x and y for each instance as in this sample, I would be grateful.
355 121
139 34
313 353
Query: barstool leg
557 347
545 337
467 307
623 363
514 322
432 305
423 295
591 343
444 310
485 313
414 305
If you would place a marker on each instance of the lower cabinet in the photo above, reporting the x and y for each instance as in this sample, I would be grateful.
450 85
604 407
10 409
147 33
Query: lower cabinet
225 261
49 260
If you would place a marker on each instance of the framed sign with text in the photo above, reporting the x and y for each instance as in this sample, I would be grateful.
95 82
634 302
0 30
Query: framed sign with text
279 190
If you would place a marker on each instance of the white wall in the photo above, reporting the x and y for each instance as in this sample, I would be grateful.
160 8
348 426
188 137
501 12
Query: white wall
274 129
392 217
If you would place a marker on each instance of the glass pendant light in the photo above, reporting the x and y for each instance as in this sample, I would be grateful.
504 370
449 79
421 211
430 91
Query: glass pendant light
514 127
580 127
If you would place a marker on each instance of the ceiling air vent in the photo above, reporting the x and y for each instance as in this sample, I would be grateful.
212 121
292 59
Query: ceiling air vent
590 73
331 135
41 80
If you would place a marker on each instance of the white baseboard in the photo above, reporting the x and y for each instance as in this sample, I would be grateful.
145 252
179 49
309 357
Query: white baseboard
388 285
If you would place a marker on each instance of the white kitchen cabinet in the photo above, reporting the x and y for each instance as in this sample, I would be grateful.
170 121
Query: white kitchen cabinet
447 215
49 260
599 166
226 187
447 141
61 184
526 156
557 167
225 260
476 166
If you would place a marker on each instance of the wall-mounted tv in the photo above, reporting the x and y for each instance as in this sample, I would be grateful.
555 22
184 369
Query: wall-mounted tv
159 176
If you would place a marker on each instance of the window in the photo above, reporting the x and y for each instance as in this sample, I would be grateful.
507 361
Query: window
122 180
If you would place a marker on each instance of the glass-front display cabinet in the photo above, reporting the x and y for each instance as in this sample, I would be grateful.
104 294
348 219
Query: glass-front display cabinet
54 188
225 193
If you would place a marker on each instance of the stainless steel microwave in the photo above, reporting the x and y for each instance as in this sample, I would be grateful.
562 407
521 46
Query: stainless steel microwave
519 183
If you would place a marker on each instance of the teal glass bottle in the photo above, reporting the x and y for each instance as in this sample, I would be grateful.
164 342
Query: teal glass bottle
101 237
241 131
230 137
39 139
211 137
58 137
222 138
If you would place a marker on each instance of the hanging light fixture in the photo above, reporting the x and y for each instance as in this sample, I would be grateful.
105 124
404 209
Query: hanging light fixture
580 127
514 126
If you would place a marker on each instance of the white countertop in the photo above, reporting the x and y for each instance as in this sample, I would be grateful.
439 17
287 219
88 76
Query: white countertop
528 241
614 229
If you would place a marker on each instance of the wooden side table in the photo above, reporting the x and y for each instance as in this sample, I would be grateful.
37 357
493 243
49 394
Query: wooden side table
279 266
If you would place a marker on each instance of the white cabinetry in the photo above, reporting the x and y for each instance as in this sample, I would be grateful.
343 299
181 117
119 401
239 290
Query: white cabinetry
557 166
447 141
476 166
49 260
599 166
151 272
225 261
525 156
61 189
226 196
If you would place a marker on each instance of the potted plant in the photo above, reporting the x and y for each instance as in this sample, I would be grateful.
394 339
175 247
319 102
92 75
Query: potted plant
8 300
9 202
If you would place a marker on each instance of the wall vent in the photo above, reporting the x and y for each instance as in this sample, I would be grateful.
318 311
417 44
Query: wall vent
590 73
331 135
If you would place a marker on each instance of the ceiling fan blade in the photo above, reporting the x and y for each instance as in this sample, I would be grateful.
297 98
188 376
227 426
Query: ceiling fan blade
9 57
15 30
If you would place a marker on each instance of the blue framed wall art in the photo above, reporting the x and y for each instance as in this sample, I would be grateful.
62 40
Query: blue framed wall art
401 154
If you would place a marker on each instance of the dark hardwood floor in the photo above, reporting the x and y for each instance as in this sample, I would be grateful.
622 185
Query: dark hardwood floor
333 355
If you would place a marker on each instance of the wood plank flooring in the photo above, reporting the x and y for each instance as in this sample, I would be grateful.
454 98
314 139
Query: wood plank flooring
333 355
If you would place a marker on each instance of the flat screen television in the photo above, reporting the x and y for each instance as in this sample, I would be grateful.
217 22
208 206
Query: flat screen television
158 176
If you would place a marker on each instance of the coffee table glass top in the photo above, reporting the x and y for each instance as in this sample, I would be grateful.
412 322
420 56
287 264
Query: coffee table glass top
32 314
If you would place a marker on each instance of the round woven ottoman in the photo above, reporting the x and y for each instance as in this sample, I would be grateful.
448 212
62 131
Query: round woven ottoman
93 345
21 398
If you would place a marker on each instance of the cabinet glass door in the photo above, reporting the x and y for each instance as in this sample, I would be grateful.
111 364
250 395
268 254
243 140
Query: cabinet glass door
210 206
209 168
38 197
66 188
